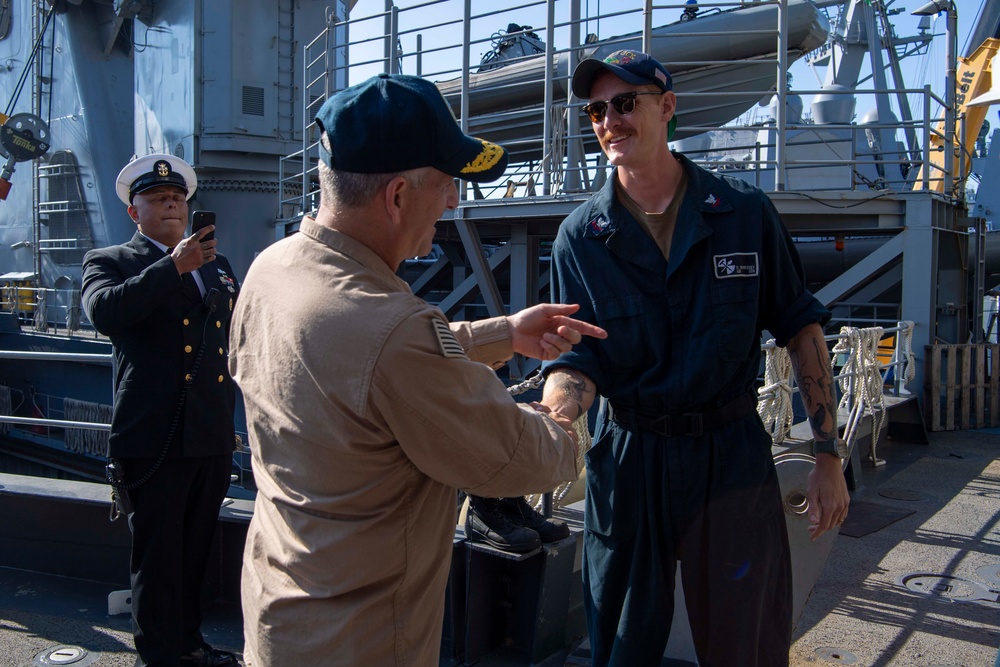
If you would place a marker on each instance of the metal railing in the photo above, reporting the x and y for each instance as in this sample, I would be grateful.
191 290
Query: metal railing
50 427
44 308
897 364
68 357
438 39
853 375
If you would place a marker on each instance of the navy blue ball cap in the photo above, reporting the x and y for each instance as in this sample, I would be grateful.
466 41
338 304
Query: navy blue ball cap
150 171
635 67
395 122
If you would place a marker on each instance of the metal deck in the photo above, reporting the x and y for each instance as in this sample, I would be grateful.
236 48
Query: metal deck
915 586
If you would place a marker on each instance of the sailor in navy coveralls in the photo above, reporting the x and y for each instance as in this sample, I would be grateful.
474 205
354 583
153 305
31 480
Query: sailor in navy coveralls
165 300
684 269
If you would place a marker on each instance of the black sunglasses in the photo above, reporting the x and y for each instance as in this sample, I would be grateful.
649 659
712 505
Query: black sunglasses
623 104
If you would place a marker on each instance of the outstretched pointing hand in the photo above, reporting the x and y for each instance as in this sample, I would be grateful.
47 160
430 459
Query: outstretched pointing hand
545 331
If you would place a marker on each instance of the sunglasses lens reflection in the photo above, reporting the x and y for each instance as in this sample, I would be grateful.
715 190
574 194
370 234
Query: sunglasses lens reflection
624 104
596 111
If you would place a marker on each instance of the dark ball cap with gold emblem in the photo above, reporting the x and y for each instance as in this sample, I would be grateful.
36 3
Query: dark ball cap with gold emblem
150 171
635 67
395 122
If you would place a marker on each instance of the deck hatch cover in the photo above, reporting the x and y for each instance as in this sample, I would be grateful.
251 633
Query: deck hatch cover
66 655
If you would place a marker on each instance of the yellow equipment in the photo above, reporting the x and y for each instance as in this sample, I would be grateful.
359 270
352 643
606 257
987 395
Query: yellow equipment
972 78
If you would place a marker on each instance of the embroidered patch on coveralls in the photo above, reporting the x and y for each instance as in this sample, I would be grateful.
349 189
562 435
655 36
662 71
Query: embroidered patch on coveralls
736 265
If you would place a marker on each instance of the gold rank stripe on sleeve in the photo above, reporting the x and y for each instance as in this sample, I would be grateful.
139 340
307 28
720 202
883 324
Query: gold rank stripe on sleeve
450 347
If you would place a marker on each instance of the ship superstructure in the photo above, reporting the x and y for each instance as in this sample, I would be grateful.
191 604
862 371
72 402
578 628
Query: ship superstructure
232 86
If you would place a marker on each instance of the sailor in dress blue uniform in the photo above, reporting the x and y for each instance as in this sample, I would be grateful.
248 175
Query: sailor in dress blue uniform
165 301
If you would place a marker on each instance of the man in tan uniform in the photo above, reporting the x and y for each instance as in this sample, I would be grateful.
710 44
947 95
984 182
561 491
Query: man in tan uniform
366 409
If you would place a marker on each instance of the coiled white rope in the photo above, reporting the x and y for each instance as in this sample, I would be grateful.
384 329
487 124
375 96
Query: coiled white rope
861 386
87 441
774 399
909 372
553 158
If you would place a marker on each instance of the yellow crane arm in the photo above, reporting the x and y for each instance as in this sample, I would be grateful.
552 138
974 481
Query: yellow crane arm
972 78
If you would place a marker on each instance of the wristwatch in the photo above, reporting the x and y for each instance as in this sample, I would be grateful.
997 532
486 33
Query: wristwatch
836 447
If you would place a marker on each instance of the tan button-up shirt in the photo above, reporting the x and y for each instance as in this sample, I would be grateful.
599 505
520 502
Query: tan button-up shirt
364 418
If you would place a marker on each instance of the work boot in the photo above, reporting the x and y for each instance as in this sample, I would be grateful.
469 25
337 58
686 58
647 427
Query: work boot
485 523
206 656
521 513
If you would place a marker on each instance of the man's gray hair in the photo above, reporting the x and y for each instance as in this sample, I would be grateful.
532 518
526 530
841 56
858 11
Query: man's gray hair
352 189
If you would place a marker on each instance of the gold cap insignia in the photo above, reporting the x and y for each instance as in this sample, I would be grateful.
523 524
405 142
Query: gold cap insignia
487 158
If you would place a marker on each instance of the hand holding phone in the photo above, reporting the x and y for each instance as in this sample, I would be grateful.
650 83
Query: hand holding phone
202 219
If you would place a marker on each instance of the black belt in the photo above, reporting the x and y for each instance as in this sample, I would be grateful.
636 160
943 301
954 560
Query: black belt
692 424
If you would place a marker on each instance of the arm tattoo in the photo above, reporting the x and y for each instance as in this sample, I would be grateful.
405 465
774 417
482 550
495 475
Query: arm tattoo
818 421
816 386
574 386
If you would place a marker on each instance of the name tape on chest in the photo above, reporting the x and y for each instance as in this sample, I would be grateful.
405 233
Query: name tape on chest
737 265
450 347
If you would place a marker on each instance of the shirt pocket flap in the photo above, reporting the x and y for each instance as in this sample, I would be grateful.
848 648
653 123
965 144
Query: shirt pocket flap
620 307
735 290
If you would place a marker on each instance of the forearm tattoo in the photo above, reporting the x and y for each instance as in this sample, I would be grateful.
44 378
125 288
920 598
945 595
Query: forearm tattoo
816 386
574 387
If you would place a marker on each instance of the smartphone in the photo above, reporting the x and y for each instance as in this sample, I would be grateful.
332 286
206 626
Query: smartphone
202 219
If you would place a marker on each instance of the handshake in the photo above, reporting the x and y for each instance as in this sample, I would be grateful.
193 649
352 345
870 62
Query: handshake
565 423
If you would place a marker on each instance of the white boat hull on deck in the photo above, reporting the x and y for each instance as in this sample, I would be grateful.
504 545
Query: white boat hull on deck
722 64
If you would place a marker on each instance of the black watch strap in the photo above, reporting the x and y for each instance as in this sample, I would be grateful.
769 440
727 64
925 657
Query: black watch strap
835 447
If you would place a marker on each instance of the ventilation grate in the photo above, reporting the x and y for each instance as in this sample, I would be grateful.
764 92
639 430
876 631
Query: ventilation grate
253 101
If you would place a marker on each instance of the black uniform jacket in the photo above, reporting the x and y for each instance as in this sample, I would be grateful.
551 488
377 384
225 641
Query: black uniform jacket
134 295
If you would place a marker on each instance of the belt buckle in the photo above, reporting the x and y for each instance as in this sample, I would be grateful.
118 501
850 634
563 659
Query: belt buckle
693 424
661 425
